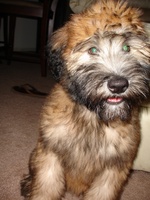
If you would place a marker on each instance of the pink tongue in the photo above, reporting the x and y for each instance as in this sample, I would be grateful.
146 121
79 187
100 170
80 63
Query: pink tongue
114 100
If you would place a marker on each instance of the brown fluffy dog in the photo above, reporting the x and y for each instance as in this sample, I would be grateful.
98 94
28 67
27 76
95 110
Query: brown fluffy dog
90 132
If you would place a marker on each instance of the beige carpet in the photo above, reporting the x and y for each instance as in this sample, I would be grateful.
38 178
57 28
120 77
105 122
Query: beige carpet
19 117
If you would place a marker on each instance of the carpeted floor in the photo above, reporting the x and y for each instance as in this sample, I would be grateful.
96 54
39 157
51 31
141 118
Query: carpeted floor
19 117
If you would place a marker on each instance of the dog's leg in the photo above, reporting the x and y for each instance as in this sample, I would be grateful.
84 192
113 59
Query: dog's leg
48 177
107 185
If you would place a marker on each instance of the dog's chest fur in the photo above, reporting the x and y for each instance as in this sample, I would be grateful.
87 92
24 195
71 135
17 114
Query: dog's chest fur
81 140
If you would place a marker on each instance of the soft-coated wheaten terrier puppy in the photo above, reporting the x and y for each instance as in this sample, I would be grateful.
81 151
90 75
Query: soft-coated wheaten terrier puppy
90 131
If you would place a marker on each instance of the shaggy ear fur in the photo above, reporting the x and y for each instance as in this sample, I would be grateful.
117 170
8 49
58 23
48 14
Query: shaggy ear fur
55 63
55 49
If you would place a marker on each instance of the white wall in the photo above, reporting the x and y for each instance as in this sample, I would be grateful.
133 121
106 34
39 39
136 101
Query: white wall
25 34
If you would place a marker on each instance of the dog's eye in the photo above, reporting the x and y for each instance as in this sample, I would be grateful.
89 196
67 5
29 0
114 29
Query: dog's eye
93 51
126 48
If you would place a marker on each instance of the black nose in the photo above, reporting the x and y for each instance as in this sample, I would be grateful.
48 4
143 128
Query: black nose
118 84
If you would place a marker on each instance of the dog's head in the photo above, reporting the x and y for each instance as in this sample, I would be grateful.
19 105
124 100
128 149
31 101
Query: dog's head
102 57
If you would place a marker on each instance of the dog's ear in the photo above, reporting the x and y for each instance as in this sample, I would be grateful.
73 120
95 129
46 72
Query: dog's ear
55 50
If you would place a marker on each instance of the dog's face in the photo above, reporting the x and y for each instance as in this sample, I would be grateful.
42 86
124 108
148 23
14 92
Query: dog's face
101 57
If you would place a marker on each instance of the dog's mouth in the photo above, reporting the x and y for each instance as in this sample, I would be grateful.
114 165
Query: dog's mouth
114 100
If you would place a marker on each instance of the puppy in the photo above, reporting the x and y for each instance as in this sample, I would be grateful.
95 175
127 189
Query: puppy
90 130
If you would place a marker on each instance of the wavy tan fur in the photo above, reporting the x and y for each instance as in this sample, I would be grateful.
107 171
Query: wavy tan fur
90 130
